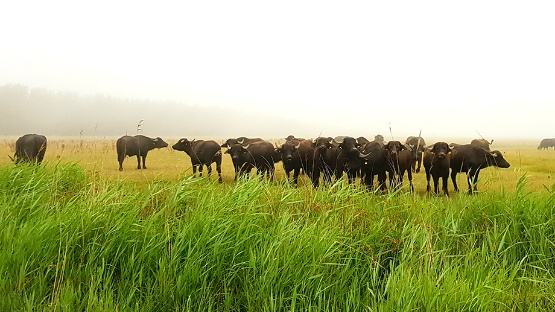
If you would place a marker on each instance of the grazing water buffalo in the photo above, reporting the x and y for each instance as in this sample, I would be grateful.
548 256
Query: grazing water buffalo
202 153
296 155
420 146
261 155
547 143
30 148
436 164
375 163
482 143
400 158
326 154
471 159
139 146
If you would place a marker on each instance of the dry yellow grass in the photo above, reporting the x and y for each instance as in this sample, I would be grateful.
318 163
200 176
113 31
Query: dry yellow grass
98 156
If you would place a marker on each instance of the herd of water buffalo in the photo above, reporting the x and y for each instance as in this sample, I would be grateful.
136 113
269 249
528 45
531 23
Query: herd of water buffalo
325 157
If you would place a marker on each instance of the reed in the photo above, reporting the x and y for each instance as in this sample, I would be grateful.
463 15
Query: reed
73 240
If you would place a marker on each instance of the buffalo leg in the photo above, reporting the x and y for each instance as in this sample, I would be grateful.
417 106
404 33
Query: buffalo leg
409 175
144 161
444 179
436 183
200 170
138 162
219 171
472 178
454 180
427 179
296 173
120 161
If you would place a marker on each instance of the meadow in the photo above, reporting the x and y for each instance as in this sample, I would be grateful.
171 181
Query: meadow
77 234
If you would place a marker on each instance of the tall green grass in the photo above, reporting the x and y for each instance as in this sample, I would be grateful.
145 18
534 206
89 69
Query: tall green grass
71 242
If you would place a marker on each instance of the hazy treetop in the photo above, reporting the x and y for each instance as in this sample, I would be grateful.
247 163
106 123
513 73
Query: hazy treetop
275 68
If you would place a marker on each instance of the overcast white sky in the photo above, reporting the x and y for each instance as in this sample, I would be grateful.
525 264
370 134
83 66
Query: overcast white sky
344 67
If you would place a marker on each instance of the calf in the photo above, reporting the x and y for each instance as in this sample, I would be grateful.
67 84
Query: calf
400 158
202 153
260 155
471 159
436 164
296 155
326 154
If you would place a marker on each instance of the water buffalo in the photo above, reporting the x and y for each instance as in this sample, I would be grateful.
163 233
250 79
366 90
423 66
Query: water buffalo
482 143
471 159
292 137
420 146
362 140
240 140
261 155
547 143
436 164
326 154
202 153
375 163
139 146
380 139
349 159
400 158
296 155
30 148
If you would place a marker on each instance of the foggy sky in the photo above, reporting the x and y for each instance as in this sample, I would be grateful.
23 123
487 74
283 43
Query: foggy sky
358 68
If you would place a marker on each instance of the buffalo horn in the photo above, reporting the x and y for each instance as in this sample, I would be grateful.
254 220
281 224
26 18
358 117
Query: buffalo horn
361 155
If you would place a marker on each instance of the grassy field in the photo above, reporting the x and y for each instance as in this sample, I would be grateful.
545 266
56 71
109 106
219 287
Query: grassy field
76 234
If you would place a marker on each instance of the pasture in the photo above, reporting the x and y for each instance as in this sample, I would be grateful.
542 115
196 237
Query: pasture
77 234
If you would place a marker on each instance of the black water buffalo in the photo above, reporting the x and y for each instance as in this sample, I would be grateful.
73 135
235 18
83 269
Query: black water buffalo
202 153
400 158
350 160
326 155
375 163
419 145
380 139
292 137
240 140
471 159
30 148
483 143
362 140
139 146
436 164
297 155
260 155
547 143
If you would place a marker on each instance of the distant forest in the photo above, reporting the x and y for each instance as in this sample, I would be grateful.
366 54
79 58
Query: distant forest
37 110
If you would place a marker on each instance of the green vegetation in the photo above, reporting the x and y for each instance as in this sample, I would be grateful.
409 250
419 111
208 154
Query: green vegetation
71 241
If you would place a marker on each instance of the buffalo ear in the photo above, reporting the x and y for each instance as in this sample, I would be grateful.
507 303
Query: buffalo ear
278 150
